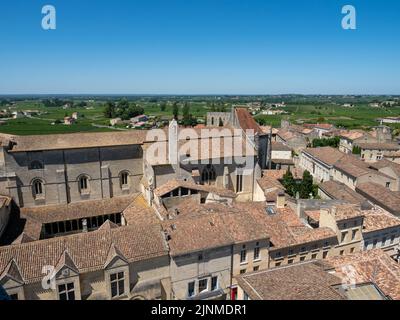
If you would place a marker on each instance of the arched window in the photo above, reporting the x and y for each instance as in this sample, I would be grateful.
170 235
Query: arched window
37 188
84 184
208 175
36 165
124 179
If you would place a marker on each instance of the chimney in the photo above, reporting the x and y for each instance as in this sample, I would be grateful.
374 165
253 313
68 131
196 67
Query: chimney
226 177
280 200
298 208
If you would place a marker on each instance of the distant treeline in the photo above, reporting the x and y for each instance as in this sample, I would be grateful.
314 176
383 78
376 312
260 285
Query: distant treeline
57 103
122 109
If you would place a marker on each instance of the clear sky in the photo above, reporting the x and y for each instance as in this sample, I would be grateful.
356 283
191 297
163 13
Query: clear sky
200 47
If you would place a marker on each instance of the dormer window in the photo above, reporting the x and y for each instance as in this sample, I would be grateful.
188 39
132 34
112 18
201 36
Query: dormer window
66 291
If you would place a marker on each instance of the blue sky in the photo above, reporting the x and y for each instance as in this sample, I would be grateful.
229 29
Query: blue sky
200 47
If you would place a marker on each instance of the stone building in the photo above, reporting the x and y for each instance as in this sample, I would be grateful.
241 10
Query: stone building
372 152
68 168
111 263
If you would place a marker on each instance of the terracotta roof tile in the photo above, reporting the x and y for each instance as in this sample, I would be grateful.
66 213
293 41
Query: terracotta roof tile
327 155
88 251
77 210
381 196
210 226
339 191
174 184
78 140
379 219
305 281
372 266
246 121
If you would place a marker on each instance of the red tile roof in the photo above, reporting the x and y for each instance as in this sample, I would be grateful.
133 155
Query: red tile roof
246 121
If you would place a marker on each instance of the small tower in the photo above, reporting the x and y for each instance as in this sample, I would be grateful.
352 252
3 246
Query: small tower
173 142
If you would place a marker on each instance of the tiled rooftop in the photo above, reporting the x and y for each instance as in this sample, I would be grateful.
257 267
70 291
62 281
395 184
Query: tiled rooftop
340 191
77 210
372 266
306 281
246 121
381 196
88 251
174 184
284 227
209 226
379 219
77 140
327 155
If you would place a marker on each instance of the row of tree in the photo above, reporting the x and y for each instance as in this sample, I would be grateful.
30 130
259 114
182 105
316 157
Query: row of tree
122 109
57 103
329 142
187 117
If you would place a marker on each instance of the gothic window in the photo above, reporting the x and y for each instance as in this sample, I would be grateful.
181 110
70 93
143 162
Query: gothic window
208 175
37 188
124 179
84 184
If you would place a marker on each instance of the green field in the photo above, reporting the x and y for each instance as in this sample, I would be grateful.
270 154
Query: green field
361 116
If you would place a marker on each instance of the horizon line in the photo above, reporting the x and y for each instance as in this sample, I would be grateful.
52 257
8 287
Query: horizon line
199 94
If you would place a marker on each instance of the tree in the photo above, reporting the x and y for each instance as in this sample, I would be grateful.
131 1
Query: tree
131 111
356 150
186 114
289 183
331 142
163 106
109 111
175 110
306 186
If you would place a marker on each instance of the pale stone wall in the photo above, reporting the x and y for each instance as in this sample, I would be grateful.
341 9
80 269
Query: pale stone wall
214 118
248 266
281 155
187 268
396 184
62 169
303 252
318 170
386 239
